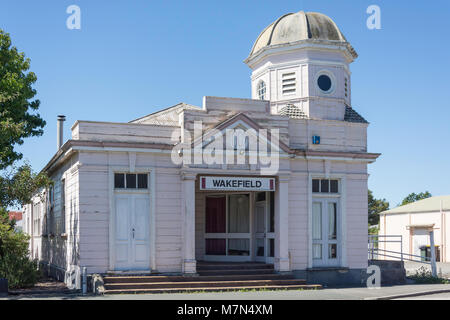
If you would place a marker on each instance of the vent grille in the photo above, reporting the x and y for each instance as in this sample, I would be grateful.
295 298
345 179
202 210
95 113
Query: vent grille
293 112
288 83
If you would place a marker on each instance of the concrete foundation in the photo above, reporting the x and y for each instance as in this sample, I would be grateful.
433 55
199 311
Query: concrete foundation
392 272
334 277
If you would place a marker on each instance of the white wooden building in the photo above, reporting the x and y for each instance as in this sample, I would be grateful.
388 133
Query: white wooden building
121 202
413 222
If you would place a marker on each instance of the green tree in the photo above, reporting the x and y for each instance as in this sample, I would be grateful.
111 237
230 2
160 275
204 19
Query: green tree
413 197
17 107
375 207
17 184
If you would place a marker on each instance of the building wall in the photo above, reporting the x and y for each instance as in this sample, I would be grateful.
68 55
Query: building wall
354 197
55 240
169 220
396 224
298 217
95 208
356 220
89 186
334 135
306 64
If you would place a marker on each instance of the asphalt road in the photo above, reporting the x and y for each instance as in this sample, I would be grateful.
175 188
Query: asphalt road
393 292
438 296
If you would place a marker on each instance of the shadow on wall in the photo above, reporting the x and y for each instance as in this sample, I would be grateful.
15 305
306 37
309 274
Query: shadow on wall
54 256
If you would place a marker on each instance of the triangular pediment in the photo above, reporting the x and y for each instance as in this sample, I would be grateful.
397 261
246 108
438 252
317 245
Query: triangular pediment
242 122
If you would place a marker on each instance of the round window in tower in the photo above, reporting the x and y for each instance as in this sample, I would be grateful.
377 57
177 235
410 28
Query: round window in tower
324 82
261 90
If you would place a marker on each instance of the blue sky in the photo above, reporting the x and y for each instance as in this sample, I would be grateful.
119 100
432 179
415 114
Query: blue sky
131 58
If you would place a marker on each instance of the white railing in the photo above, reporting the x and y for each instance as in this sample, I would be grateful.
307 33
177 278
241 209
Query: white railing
375 251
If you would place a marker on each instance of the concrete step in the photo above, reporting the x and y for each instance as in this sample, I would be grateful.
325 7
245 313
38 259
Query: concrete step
233 277
235 272
215 289
231 266
203 284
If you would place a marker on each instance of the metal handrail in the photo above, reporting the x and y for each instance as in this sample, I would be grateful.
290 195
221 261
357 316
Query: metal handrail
376 239
407 254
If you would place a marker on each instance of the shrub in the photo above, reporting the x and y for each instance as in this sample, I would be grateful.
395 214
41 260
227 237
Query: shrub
425 276
15 264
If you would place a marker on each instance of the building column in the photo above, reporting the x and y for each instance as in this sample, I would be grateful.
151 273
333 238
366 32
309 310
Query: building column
188 210
282 263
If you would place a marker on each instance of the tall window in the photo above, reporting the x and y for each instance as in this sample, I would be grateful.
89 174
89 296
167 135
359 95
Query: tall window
326 237
50 212
37 219
261 90
63 206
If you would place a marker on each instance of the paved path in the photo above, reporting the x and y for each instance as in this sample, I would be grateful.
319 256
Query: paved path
439 296
325 294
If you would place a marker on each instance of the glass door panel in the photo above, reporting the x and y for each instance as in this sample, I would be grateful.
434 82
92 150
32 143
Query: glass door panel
215 218
238 213
227 227
260 230
325 235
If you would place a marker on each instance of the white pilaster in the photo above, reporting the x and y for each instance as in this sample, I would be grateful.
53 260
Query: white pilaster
188 207
282 263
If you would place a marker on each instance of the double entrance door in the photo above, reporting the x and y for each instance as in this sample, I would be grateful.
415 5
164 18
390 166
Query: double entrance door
239 227
132 249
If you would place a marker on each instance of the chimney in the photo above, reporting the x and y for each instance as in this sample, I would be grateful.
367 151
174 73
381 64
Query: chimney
60 131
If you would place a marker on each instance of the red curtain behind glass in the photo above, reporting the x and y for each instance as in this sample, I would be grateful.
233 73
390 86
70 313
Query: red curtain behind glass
215 215
215 223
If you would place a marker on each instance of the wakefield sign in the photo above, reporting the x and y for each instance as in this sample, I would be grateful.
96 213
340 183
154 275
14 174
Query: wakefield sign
237 184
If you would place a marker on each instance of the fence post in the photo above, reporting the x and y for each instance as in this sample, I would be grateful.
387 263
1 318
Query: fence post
401 248
371 247
433 254
84 280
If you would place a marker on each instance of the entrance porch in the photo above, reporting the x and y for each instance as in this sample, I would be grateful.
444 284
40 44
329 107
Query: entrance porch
236 225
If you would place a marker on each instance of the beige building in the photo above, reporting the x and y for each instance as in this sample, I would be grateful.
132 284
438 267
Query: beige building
413 222
132 197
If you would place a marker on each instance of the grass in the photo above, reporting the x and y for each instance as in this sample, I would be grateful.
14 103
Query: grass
235 290
251 290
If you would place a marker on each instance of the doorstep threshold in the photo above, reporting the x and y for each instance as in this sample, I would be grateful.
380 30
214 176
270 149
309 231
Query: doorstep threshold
328 269
129 272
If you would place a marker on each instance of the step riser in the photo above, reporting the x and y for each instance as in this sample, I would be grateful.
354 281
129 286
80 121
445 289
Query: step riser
108 280
203 284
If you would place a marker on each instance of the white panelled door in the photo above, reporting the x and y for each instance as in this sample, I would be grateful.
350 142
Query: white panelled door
132 240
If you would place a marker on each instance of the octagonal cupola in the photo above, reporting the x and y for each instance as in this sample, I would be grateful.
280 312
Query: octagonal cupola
300 63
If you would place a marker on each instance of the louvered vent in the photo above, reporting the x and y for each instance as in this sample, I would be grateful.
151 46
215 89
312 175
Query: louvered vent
288 83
